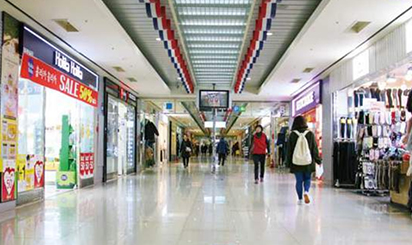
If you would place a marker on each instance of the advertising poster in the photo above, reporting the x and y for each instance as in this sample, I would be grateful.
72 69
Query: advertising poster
9 103
8 180
30 172
10 67
9 138
39 168
86 165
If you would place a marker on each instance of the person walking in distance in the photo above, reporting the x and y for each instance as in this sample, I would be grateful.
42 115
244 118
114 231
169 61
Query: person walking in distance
186 150
259 149
302 155
222 150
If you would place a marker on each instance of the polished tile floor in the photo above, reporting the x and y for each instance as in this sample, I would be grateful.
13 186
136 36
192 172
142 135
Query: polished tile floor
175 206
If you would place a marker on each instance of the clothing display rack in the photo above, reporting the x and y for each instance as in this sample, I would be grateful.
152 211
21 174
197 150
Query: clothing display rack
344 163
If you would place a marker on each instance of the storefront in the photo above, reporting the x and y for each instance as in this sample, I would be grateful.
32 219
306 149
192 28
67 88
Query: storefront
48 117
309 105
280 125
369 122
369 111
120 131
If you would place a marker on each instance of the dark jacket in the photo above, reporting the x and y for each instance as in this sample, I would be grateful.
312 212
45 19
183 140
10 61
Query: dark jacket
150 131
293 138
222 147
183 147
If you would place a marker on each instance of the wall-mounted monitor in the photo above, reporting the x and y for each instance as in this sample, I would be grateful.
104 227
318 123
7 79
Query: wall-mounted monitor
213 99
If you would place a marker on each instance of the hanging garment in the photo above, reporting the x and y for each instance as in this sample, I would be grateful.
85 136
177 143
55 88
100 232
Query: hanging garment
345 163
150 131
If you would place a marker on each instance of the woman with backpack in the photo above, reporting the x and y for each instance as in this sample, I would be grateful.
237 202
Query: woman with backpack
302 155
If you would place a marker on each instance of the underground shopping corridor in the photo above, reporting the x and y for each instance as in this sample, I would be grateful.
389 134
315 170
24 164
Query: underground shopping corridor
193 206
205 122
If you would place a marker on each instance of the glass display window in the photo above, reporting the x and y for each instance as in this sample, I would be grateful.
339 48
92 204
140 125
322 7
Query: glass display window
121 138
43 116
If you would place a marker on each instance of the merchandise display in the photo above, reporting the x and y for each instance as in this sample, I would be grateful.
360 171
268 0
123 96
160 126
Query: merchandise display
370 123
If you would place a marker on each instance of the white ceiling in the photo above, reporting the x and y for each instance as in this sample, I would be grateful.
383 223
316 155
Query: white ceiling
101 38
325 39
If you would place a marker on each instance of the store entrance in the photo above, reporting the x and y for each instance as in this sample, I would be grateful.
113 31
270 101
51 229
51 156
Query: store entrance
314 120
58 129
120 151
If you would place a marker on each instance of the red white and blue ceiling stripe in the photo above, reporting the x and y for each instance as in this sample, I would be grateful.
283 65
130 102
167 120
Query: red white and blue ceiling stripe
162 24
267 12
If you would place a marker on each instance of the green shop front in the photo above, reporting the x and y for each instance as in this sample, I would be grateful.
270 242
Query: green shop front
57 101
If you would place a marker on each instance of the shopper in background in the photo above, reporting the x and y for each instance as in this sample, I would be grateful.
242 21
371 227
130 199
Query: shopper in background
222 150
260 147
186 150
235 148
302 155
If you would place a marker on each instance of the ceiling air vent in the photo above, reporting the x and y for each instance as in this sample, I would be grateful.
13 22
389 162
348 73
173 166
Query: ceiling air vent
132 79
308 70
118 69
296 80
358 26
66 25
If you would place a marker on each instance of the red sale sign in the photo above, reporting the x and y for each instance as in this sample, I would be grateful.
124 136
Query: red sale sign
41 73
86 165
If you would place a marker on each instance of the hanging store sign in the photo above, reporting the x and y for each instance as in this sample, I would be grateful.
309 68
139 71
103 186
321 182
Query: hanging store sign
41 73
119 92
361 65
307 100
39 47
69 66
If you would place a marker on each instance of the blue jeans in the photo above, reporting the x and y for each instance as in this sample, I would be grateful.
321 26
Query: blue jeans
302 180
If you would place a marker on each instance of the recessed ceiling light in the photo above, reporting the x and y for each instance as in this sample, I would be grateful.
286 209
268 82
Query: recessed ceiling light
358 26
308 70
158 39
66 25
118 69
270 33
248 78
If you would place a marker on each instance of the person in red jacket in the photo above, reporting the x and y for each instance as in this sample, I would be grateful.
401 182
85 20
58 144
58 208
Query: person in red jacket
260 147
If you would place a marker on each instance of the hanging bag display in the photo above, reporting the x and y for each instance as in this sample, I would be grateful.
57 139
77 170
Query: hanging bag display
301 154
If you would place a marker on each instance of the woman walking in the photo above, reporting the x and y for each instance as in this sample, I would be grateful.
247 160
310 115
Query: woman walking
302 155
260 147
186 150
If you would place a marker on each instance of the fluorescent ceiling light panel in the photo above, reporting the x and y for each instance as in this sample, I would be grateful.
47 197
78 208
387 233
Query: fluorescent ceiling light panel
219 57
213 22
206 70
211 11
213 39
213 66
218 124
214 2
207 51
221 31
214 45
214 61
